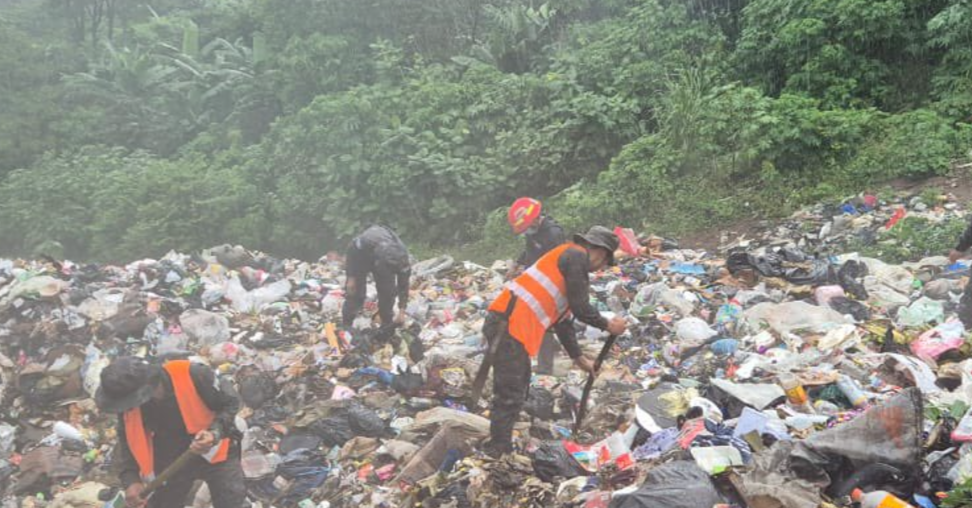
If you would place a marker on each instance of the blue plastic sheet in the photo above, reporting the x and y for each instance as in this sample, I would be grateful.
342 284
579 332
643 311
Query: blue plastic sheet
686 269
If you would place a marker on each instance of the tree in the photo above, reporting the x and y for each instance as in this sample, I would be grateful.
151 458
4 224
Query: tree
138 101
90 20
27 111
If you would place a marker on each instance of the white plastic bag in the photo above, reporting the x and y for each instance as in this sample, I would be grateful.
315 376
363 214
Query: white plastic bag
693 332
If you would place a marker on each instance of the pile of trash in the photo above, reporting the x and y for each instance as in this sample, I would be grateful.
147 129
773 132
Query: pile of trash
772 373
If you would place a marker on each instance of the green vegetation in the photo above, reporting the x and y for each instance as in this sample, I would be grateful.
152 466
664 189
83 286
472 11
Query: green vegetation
128 128
960 496
914 238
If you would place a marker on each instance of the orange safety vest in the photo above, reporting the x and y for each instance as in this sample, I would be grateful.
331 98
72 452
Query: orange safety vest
195 413
541 299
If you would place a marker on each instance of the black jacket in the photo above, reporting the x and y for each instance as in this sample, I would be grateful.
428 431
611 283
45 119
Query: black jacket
380 251
548 236
165 420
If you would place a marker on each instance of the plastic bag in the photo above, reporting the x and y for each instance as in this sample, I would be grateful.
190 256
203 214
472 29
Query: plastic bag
660 294
256 388
890 433
102 305
895 277
8 433
226 352
365 422
94 363
628 240
171 343
432 267
552 461
839 336
84 495
231 256
204 327
792 316
758 396
677 402
680 484
849 277
728 313
693 332
250 301
332 302
650 410
923 311
540 403
853 308
333 431
935 342
824 294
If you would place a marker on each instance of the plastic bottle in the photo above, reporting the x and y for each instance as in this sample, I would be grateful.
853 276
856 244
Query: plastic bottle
878 499
804 422
825 408
850 390
963 431
421 403
67 431
794 389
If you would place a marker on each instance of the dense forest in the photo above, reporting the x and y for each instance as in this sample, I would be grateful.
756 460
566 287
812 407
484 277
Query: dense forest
130 128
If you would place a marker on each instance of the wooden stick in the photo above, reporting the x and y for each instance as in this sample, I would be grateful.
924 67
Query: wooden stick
178 465
582 410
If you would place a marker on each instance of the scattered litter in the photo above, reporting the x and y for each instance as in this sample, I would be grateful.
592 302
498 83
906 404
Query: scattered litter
776 371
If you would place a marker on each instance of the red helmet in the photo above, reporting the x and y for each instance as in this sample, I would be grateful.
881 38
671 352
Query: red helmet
523 213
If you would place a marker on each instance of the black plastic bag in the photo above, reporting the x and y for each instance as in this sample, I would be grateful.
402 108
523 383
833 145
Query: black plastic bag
849 276
268 415
858 310
334 431
937 475
416 349
365 422
256 387
817 274
299 440
552 461
876 477
407 383
680 484
540 404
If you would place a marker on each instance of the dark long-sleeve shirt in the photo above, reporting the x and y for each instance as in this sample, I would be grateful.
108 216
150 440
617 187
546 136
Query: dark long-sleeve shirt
381 252
574 265
965 241
548 236
164 419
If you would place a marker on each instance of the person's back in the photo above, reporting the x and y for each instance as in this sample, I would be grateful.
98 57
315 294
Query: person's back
378 251
377 235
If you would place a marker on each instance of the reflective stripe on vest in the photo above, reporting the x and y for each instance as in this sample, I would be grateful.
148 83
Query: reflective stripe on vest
196 415
541 293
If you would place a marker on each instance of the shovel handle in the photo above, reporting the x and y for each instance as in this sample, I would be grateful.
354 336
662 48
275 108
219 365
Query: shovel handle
178 465
582 410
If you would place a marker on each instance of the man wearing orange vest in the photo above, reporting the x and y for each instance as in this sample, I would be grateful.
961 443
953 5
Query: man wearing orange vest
164 410
543 297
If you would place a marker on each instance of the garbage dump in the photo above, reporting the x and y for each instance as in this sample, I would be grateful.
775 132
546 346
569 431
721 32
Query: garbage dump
776 371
